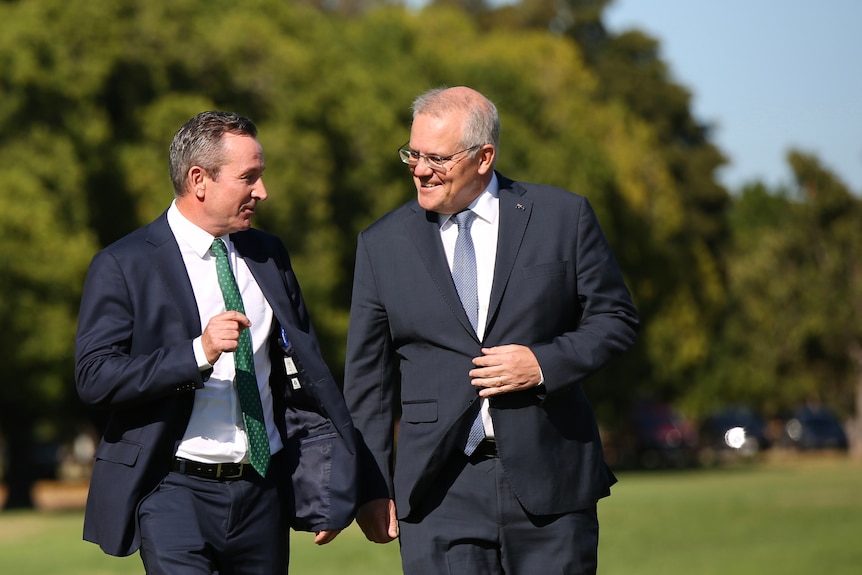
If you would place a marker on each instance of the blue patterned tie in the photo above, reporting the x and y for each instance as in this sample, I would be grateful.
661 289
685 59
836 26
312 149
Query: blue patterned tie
246 380
464 267
464 275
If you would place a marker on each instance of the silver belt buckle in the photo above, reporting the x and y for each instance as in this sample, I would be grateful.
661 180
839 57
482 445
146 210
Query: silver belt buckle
236 475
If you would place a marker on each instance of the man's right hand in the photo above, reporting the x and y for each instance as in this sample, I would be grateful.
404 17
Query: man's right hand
222 334
378 520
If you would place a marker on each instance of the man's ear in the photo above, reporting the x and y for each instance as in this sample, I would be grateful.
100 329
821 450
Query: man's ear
197 181
487 154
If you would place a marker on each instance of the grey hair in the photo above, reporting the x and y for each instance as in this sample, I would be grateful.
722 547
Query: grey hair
199 143
483 121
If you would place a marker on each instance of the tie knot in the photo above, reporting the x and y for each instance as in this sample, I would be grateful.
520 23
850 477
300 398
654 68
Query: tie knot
464 219
218 247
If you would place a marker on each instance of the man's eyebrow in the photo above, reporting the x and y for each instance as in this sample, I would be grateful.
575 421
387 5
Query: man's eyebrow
256 170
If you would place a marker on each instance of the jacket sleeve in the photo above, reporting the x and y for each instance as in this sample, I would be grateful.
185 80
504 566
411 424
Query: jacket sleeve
371 381
608 324
117 358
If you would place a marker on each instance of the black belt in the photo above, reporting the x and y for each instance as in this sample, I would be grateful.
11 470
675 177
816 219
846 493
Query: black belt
212 470
487 449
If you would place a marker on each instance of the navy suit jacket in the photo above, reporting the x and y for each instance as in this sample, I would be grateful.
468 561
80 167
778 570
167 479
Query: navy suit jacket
556 288
134 356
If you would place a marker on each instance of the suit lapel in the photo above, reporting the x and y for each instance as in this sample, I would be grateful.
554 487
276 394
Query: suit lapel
514 214
266 274
168 262
423 229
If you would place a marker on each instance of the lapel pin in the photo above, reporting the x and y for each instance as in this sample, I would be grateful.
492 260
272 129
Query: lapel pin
520 206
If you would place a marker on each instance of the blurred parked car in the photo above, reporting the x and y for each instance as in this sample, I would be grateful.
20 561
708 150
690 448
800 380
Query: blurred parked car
814 426
732 433
657 436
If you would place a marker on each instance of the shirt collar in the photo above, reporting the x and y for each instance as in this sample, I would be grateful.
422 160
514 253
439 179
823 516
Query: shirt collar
198 239
486 205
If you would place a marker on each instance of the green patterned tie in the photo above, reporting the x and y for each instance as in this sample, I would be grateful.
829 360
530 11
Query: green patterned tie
246 381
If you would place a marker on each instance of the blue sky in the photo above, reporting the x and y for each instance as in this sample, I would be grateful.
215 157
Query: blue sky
768 74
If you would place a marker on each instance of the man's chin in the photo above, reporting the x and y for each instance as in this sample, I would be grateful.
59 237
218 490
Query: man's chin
242 224
428 200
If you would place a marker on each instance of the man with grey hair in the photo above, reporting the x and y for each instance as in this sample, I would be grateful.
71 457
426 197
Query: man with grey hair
478 311
225 427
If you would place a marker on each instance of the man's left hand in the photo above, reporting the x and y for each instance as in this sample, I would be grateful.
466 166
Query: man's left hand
504 369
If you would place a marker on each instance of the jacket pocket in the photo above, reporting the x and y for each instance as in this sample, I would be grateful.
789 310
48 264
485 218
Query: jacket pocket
122 452
546 269
419 411
311 477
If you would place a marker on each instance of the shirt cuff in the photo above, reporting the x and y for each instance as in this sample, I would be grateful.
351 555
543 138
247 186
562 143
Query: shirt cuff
200 356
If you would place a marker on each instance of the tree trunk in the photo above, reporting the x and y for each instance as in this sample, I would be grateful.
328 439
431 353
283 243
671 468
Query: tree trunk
18 470
854 427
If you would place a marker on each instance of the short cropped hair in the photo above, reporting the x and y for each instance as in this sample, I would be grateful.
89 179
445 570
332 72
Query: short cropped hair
199 143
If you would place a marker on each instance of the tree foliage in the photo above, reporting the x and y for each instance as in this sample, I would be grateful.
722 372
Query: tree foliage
794 333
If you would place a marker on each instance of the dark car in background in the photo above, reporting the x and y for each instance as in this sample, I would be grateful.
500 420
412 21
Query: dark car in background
814 426
656 436
733 433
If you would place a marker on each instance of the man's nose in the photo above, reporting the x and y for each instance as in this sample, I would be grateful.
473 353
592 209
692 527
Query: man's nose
421 168
259 191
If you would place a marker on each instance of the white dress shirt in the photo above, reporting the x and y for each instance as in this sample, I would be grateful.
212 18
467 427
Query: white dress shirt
215 432
484 233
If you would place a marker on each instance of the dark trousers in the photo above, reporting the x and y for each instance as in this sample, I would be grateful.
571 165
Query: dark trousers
195 526
472 524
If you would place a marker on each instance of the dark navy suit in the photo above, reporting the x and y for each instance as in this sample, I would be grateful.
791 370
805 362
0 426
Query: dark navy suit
556 289
134 357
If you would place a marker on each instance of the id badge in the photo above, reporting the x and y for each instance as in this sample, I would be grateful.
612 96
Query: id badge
292 367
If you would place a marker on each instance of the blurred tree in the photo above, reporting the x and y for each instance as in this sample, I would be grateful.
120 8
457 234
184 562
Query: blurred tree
45 240
687 304
795 333
44 250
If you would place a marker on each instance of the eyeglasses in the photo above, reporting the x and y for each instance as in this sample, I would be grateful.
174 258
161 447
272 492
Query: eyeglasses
436 163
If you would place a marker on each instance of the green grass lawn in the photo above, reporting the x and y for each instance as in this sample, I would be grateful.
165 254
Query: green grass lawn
787 518
794 517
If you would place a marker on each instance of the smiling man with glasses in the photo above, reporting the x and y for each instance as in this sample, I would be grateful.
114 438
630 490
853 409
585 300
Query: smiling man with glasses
479 309
446 180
